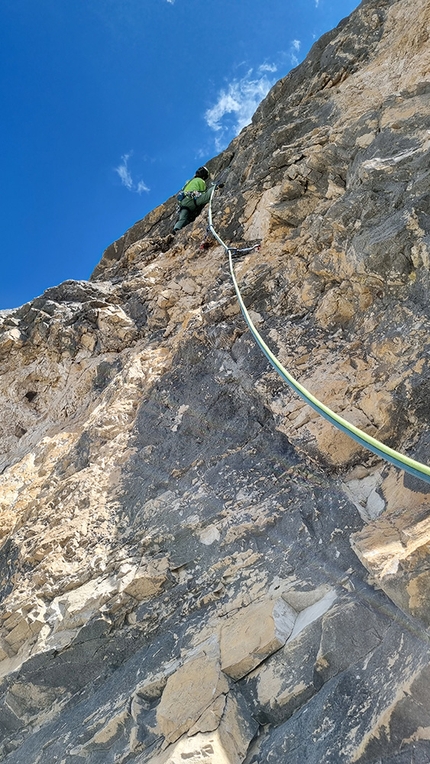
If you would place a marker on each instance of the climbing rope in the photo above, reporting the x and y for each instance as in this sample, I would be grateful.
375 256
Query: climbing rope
367 441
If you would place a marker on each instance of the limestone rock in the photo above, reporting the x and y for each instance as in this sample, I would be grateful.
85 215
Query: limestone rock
189 694
394 548
363 491
343 724
193 565
146 580
253 634
228 744
349 632
286 681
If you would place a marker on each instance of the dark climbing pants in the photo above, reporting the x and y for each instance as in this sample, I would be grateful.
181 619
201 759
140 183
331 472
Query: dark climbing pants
190 208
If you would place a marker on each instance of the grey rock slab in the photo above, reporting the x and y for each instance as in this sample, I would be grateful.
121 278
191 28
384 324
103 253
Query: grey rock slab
348 715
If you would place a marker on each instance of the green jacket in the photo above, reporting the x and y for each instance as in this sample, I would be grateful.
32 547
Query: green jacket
196 184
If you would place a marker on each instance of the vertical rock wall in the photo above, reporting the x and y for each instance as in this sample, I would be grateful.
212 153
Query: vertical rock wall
194 566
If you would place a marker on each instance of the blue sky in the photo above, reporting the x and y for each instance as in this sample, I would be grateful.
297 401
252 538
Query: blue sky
108 106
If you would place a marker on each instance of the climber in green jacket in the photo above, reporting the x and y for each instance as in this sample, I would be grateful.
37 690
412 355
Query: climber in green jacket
193 198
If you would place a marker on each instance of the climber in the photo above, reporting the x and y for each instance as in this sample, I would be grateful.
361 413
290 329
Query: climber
193 198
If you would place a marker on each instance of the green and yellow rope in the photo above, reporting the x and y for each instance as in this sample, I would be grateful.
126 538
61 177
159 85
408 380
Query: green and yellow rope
367 441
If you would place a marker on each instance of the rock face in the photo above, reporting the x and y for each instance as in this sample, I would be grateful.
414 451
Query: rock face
194 566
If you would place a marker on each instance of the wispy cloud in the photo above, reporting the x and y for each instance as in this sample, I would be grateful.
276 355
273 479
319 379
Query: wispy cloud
126 178
294 49
237 102
267 68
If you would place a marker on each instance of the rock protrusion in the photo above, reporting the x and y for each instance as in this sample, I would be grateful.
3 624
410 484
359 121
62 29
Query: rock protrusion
253 634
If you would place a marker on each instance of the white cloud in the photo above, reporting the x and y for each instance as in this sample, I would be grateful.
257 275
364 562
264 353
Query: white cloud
141 186
238 100
126 178
237 103
124 172
295 47
267 68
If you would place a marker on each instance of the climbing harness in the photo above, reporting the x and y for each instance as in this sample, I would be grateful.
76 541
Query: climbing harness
187 195
399 460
